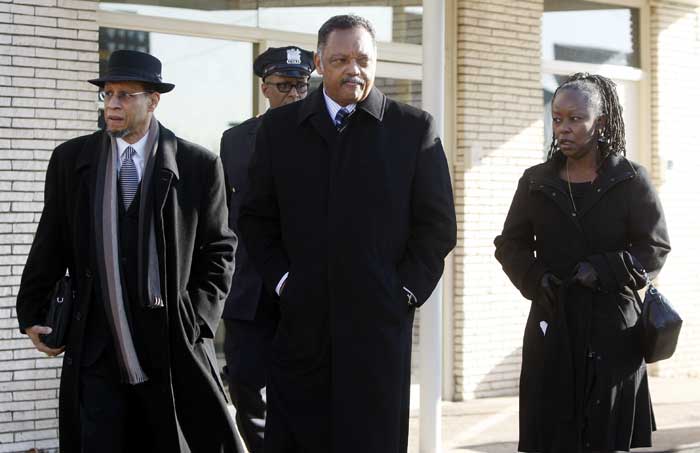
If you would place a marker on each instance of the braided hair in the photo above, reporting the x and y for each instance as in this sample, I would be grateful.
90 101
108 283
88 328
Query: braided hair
600 92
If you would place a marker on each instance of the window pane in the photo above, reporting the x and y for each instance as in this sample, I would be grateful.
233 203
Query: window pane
587 32
394 20
213 81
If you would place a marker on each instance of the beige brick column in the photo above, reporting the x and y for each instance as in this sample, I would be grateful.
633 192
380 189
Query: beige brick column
48 48
499 134
675 84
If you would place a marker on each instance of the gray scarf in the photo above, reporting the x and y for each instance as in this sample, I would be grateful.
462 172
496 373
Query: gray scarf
106 223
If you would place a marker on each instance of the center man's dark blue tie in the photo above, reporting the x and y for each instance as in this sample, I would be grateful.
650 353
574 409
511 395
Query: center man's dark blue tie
341 118
128 177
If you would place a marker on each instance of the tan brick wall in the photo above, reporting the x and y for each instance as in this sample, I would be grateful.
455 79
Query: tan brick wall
499 134
48 48
675 78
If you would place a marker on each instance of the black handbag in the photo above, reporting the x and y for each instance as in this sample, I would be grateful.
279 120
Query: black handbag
59 315
661 325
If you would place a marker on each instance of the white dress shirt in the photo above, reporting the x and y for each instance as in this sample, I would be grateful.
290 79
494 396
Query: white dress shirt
333 106
138 157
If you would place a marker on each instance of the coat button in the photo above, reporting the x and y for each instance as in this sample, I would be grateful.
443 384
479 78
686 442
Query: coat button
597 402
573 214
554 194
78 316
88 274
598 189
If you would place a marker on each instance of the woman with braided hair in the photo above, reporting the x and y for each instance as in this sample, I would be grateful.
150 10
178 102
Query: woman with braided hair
580 230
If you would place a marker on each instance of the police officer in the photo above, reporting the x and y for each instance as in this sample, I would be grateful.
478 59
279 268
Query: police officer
250 315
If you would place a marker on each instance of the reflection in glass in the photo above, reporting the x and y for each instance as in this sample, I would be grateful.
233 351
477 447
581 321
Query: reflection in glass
588 32
394 20
213 81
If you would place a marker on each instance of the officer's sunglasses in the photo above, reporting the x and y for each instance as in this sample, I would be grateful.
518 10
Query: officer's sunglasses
286 87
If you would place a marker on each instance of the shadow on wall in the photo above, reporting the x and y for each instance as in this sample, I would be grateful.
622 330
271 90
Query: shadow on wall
502 379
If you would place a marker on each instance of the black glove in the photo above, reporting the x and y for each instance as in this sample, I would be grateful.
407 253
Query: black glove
549 285
586 275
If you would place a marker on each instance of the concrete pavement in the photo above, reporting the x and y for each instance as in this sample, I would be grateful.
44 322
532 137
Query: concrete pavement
490 425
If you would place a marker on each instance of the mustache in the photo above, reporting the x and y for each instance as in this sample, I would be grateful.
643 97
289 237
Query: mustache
354 80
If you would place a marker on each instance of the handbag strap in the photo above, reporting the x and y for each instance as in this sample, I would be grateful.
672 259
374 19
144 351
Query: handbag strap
649 284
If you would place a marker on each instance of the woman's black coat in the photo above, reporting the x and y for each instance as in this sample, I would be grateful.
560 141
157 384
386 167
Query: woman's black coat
195 249
584 382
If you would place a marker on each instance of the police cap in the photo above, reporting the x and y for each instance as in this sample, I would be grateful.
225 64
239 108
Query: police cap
288 61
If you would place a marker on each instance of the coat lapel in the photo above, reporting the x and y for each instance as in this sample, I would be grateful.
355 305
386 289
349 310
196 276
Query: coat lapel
615 169
86 163
374 104
314 109
166 168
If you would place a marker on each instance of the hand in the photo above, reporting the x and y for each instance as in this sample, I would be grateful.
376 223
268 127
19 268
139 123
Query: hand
35 333
410 298
548 292
586 275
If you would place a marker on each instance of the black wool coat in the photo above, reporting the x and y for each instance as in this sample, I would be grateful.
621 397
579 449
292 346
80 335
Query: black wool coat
353 217
196 251
247 292
583 383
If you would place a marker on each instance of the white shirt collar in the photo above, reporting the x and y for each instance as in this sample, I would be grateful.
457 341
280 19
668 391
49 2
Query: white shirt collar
138 157
139 146
333 106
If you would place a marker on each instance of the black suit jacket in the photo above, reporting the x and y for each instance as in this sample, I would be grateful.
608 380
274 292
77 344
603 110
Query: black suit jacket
247 295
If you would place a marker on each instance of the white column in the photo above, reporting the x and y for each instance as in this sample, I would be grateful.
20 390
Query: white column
430 422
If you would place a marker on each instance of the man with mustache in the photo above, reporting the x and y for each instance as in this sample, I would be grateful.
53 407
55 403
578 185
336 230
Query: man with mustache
348 218
251 313
138 217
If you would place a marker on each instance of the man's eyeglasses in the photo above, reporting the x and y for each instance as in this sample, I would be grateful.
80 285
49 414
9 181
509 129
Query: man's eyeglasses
286 87
122 96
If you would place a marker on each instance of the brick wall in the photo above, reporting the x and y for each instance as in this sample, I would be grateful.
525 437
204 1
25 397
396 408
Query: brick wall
675 76
48 48
499 133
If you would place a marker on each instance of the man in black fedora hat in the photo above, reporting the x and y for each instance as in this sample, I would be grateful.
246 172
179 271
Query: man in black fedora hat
251 314
138 218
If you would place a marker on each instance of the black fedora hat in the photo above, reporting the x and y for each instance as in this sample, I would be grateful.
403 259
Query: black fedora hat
133 66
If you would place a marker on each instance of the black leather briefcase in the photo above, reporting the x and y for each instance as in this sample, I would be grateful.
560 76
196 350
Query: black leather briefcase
59 315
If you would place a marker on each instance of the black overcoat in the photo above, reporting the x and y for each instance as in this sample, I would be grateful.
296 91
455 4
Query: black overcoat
353 216
196 251
583 382
237 146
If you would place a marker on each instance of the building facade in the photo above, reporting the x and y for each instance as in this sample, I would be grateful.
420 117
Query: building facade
504 59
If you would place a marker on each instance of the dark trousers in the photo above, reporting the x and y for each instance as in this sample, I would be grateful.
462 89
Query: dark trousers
247 349
123 418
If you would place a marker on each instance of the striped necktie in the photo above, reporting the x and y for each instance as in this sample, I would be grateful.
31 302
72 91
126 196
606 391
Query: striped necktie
128 177
341 118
